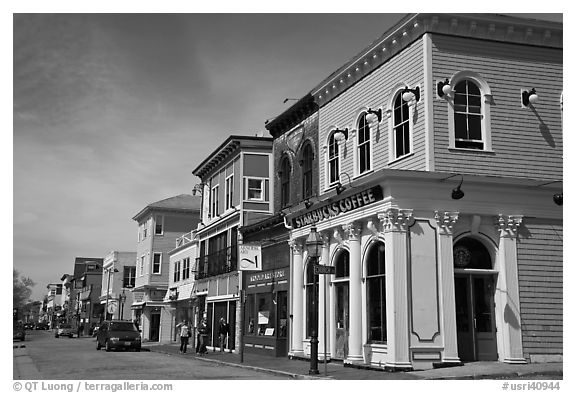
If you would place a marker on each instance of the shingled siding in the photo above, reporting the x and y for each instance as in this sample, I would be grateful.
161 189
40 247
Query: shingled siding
540 284
374 91
526 142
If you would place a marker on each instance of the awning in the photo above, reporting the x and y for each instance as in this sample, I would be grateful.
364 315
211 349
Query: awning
137 306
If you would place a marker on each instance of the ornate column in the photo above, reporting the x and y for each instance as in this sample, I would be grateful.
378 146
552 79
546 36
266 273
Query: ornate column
323 279
297 289
446 221
508 285
355 353
395 222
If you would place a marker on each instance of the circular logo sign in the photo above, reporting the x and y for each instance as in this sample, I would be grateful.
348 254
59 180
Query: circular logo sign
462 256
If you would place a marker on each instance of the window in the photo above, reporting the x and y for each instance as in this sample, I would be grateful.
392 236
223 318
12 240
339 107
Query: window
176 271
333 160
145 230
214 204
157 263
376 292
363 148
229 192
401 133
142 265
468 116
307 160
285 173
129 280
255 189
159 225
185 268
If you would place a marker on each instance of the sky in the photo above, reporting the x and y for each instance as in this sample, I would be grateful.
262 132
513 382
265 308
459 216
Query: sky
112 112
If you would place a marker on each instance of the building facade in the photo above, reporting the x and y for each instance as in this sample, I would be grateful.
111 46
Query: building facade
118 280
439 200
159 225
236 186
87 288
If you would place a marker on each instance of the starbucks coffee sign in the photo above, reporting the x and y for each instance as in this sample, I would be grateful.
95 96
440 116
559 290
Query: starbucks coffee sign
344 205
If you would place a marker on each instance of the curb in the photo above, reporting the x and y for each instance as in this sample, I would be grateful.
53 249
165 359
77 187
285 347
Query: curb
261 369
499 376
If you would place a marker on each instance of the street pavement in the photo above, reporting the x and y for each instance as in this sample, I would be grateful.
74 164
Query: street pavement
298 369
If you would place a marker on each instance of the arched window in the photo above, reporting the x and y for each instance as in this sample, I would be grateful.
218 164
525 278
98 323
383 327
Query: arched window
333 160
468 116
311 294
285 174
363 146
401 133
376 292
307 162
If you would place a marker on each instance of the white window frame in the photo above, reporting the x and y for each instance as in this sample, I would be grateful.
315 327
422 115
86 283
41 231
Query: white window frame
370 142
339 147
161 218
176 273
262 189
142 259
214 200
159 264
229 192
485 123
186 268
394 93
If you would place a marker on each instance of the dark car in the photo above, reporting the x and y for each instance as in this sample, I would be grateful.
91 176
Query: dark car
64 329
18 331
29 325
41 326
118 335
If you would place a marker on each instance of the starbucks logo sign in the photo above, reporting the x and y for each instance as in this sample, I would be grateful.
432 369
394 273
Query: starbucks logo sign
462 256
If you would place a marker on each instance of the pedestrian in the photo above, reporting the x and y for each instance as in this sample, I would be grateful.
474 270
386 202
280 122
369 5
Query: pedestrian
223 331
184 335
203 337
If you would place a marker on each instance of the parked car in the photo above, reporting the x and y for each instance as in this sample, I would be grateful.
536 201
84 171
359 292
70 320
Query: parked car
64 329
118 335
29 325
18 331
41 326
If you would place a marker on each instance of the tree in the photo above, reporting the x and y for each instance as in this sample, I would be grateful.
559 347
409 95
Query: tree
22 289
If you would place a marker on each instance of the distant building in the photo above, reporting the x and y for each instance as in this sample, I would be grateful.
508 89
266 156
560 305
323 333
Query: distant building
118 280
86 292
159 225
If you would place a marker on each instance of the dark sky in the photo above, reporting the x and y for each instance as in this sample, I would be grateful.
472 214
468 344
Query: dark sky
113 112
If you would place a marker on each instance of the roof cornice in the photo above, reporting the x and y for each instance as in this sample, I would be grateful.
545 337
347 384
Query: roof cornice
292 116
491 27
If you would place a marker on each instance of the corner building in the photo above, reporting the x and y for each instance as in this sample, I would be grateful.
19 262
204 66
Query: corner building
440 198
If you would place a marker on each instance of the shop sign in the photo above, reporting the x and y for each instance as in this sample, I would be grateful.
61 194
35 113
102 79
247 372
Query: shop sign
344 205
267 276
250 256
324 269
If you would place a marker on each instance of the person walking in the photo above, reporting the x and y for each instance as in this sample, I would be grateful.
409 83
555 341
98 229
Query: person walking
223 331
184 335
203 336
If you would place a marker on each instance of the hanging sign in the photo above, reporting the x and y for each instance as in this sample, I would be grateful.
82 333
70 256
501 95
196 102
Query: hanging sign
250 256
324 269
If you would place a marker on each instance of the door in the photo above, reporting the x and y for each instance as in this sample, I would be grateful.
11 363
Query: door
475 321
342 319
154 327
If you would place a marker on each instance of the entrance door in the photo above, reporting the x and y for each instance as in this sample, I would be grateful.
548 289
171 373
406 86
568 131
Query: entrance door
475 322
342 319
154 327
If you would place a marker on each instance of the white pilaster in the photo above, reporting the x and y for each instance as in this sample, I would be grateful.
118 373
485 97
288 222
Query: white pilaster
297 288
355 354
508 283
395 222
446 221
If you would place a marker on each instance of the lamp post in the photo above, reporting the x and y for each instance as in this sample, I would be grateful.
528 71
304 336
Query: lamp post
314 248
110 272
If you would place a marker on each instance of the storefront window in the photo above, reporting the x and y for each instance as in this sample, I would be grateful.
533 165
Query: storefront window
376 292
282 301
249 328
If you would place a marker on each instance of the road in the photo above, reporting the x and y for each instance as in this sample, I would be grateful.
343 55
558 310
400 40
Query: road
46 357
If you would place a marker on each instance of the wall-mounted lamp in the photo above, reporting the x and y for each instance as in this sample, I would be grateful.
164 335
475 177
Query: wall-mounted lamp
444 88
340 188
558 198
457 192
372 115
529 97
341 135
411 94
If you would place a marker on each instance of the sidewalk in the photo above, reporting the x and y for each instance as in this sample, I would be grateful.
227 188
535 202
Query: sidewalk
298 369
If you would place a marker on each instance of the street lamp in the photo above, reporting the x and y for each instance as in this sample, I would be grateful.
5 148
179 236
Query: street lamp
110 271
314 248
